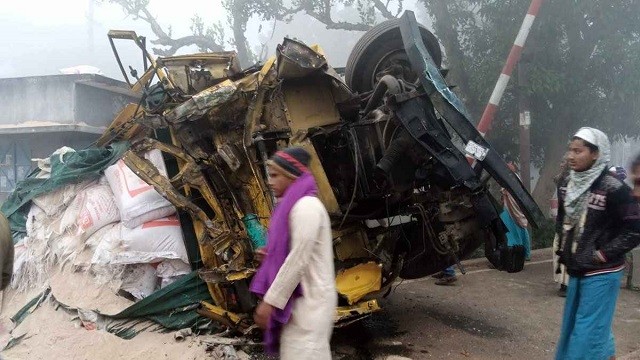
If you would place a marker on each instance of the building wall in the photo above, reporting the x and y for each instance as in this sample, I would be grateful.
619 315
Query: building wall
43 98
62 99
97 106
57 101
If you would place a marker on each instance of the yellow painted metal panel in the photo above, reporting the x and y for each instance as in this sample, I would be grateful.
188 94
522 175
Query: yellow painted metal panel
362 308
310 104
356 282
235 318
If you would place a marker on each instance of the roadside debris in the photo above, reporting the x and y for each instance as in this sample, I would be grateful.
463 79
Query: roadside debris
182 334
223 352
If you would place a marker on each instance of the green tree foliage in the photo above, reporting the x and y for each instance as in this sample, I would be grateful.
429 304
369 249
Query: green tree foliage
583 69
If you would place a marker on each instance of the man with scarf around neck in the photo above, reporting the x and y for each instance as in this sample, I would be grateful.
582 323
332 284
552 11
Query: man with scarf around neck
296 278
599 221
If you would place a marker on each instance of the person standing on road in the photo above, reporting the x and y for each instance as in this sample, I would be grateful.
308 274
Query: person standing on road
635 177
618 172
600 223
446 277
515 221
560 274
296 278
6 253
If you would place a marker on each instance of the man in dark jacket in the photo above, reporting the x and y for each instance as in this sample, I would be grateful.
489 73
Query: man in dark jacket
599 222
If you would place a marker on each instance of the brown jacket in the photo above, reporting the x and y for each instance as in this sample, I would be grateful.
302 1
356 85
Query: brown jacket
6 252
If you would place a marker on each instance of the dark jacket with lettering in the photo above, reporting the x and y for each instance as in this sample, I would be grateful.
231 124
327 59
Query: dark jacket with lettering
610 229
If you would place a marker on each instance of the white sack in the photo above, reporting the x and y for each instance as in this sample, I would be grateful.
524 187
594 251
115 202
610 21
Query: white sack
108 240
35 220
97 210
172 268
149 216
139 280
81 69
20 257
138 201
57 200
153 241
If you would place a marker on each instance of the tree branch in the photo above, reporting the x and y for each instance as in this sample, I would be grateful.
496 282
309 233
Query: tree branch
202 42
289 12
384 10
163 38
138 9
341 25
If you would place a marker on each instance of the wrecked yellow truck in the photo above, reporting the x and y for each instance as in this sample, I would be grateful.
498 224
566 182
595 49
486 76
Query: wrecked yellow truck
390 144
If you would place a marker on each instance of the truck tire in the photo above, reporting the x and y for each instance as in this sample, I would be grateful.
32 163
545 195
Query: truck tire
377 49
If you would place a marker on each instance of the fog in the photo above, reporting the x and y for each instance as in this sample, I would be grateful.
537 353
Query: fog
40 37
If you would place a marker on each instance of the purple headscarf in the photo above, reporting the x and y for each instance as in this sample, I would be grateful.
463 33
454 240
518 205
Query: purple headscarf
277 251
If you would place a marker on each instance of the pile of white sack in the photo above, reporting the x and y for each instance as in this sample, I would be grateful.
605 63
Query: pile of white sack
117 228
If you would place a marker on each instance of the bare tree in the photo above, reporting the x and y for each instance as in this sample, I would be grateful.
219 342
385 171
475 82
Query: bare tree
139 10
214 37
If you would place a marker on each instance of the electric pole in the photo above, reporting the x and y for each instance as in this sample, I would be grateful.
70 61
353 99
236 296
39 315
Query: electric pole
525 125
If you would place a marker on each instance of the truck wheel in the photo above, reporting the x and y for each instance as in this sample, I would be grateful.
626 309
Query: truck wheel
380 51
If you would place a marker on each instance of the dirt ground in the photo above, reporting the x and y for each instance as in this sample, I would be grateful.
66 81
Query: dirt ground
487 315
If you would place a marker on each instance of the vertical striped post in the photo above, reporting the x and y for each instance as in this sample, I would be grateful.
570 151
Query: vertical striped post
514 55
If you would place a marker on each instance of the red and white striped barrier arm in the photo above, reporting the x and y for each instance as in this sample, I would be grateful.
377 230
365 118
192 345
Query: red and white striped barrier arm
513 58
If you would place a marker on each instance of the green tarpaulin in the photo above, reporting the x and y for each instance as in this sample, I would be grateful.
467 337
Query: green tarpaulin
173 306
71 167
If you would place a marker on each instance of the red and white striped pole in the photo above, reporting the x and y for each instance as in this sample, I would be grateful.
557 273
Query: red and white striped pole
514 56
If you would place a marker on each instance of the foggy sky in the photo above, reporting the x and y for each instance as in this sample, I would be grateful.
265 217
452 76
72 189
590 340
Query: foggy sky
42 36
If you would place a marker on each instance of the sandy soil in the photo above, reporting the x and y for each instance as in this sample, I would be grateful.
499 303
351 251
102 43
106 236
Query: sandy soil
54 334
486 315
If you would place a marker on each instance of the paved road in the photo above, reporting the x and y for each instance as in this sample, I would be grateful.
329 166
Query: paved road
487 315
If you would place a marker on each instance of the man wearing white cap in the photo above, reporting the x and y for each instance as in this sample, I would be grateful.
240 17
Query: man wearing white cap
598 222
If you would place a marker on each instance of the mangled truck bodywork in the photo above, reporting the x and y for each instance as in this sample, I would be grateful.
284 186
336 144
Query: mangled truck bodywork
388 153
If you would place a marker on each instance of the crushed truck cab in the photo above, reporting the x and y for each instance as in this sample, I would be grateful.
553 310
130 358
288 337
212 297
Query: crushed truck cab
389 150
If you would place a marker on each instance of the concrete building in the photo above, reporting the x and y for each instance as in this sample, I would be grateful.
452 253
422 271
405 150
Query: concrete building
40 114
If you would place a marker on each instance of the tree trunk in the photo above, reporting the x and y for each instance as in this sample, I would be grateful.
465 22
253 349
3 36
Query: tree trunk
239 18
553 154
244 55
